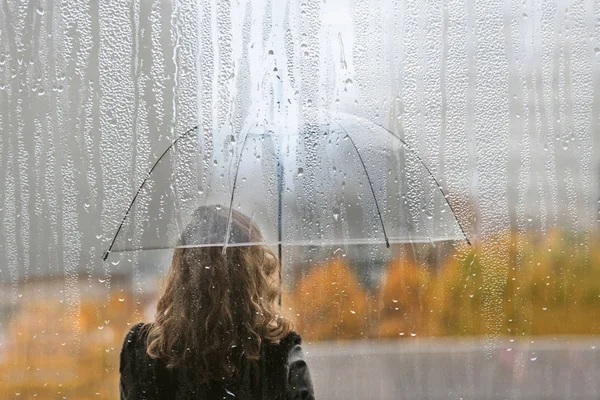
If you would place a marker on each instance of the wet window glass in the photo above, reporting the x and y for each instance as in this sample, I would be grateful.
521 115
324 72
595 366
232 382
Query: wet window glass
428 175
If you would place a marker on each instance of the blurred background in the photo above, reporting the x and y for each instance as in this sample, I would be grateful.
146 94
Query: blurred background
500 99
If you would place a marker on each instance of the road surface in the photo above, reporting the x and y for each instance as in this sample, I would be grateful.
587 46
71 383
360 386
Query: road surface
536 368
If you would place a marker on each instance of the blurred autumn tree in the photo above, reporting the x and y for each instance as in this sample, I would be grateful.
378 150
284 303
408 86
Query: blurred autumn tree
331 304
460 294
58 350
538 286
554 288
403 299
512 284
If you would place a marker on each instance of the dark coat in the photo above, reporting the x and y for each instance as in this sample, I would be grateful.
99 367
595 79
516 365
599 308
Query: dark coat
283 375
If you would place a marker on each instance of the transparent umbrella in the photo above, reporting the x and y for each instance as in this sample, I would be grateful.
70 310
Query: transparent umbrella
339 181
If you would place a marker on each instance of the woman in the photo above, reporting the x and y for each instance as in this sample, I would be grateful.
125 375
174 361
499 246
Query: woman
217 333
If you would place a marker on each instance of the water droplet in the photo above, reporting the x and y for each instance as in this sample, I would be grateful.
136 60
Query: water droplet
413 334
395 300
300 171
353 312
336 213
533 357
121 300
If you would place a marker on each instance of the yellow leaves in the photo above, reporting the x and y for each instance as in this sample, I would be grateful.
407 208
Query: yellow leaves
513 284
56 349
403 298
331 304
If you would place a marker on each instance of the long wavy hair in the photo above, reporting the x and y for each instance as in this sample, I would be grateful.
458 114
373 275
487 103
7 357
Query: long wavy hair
218 308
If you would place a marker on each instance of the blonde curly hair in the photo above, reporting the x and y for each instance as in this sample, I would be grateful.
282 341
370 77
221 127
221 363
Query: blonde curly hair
218 307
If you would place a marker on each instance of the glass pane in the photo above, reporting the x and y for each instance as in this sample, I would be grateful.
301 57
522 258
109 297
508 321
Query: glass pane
462 134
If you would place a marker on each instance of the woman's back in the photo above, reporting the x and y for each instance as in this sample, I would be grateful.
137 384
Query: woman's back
283 374
218 331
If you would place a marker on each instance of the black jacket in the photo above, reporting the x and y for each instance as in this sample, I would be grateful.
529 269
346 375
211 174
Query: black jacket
283 375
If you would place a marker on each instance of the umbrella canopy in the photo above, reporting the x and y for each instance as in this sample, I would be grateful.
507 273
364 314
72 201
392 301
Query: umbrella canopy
341 180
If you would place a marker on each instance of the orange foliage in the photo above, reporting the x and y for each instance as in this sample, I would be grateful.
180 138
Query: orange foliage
513 284
403 299
535 286
331 304
57 350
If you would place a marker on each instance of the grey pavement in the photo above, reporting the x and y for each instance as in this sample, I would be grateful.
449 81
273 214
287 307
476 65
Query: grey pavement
470 368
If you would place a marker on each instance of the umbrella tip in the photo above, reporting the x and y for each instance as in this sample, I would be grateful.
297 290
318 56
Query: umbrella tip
387 243
468 241
105 255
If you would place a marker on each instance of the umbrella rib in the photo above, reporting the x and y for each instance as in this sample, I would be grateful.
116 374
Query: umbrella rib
237 170
107 252
387 242
432 177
